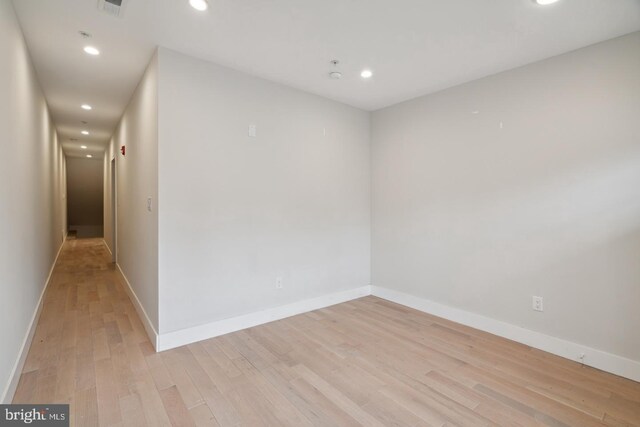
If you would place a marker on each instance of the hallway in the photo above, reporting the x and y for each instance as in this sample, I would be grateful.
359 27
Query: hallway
87 337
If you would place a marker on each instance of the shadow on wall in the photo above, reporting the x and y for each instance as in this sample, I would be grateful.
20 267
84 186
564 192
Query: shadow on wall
84 197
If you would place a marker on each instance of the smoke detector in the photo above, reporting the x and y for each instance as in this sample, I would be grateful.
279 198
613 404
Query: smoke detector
112 7
336 75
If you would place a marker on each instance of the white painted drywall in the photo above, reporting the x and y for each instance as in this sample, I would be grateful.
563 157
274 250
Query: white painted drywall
137 179
108 190
481 217
32 209
85 196
236 212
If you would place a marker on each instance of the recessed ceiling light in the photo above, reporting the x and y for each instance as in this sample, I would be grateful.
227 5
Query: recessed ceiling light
85 132
84 147
89 156
86 107
91 50
200 5
545 2
365 74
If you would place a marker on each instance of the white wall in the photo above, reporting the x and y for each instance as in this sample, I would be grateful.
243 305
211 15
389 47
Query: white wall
107 190
237 212
137 179
85 196
32 209
482 218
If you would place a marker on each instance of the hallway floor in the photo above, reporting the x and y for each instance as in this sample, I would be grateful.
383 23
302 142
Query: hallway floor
365 362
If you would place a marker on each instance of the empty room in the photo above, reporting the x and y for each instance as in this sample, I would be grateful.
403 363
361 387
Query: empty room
320 213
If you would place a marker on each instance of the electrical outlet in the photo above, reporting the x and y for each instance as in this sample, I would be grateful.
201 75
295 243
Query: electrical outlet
279 282
538 304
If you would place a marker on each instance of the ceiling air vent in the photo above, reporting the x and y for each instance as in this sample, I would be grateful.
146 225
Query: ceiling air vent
112 7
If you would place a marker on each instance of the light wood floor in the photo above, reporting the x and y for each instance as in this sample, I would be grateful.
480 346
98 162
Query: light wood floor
367 362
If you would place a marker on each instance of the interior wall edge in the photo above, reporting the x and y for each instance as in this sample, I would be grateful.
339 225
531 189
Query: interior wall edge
135 179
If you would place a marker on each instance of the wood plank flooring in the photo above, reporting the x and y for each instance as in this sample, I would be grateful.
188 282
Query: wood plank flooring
366 362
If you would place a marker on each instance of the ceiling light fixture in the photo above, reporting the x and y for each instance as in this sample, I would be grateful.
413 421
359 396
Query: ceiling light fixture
365 74
200 5
545 2
91 50
84 147
85 132
89 156
86 107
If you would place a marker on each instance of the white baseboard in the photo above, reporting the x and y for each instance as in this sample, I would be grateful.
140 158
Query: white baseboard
596 358
16 372
107 246
198 333
599 359
146 322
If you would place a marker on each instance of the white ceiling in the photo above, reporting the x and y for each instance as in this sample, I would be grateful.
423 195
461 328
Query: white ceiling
414 47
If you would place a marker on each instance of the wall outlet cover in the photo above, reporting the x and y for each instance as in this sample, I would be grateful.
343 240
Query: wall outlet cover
538 304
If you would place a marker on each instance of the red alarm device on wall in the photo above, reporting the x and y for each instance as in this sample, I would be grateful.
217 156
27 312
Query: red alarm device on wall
122 150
